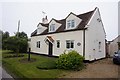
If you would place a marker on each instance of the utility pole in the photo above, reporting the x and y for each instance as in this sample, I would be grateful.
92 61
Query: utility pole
18 28
17 37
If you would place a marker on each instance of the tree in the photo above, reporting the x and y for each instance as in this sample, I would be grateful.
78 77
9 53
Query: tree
5 35
22 41
1 33
11 43
15 43
21 35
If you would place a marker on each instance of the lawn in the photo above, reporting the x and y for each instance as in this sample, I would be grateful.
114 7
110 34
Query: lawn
29 70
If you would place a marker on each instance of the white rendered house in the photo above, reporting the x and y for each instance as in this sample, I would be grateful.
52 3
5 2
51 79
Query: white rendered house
83 33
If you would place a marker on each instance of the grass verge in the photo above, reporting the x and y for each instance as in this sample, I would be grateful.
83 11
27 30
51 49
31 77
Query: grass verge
29 70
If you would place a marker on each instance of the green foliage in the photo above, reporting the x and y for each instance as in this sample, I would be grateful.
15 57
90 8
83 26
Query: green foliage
1 33
15 43
72 60
4 35
47 65
27 69
21 35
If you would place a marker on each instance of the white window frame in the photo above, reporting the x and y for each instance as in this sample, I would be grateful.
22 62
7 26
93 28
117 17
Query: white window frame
58 43
52 28
70 24
38 44
70 43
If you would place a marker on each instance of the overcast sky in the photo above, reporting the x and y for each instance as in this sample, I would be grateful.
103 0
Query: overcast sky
30 14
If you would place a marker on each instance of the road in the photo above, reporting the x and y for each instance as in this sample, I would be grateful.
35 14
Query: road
4 74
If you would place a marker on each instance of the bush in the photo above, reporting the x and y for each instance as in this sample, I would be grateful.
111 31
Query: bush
47 65
13 56
73 60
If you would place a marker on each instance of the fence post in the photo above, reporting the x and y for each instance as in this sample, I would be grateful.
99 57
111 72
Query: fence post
29 55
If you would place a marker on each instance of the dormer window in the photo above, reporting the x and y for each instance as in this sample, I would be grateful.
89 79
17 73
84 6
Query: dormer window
38 30
70 24
52 28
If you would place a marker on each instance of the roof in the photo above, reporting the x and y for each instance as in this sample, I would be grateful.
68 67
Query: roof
85 19
50 38
118 38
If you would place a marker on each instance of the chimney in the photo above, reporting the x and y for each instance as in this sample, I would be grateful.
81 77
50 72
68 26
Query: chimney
45 20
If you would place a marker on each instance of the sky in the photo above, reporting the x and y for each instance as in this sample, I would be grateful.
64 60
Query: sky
30 14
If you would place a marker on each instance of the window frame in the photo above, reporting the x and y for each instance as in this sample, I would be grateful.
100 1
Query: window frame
58 43
38 44
70 24
70 44
52 28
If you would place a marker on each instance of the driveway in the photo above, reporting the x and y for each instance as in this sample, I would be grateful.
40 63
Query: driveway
99 69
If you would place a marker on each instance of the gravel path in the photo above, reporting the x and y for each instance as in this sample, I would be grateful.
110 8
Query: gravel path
99 69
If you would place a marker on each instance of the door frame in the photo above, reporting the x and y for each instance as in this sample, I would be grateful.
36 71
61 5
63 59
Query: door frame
50 48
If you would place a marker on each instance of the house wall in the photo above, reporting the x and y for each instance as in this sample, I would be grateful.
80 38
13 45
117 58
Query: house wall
93 35
77 36
113 46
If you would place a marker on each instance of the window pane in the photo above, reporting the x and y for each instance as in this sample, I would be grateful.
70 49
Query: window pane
39 44
58 43
52 27
68 44
36 44
72 23
68 24
72 44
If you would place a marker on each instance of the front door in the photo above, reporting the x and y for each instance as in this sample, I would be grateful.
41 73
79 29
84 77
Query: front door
50 48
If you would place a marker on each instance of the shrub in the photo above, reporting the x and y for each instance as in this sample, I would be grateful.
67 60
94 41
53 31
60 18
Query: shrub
47 65
73 60
13 56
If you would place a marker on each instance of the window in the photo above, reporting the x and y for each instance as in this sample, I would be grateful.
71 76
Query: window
69 44
38 44
52 27
70 24
58 43
99 46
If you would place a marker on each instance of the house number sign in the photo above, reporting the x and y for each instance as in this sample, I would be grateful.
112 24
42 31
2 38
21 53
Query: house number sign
78 43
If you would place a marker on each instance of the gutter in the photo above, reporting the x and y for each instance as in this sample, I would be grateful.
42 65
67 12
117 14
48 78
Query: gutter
84 43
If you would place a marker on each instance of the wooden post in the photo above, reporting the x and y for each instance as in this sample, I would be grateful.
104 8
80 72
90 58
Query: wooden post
29 55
